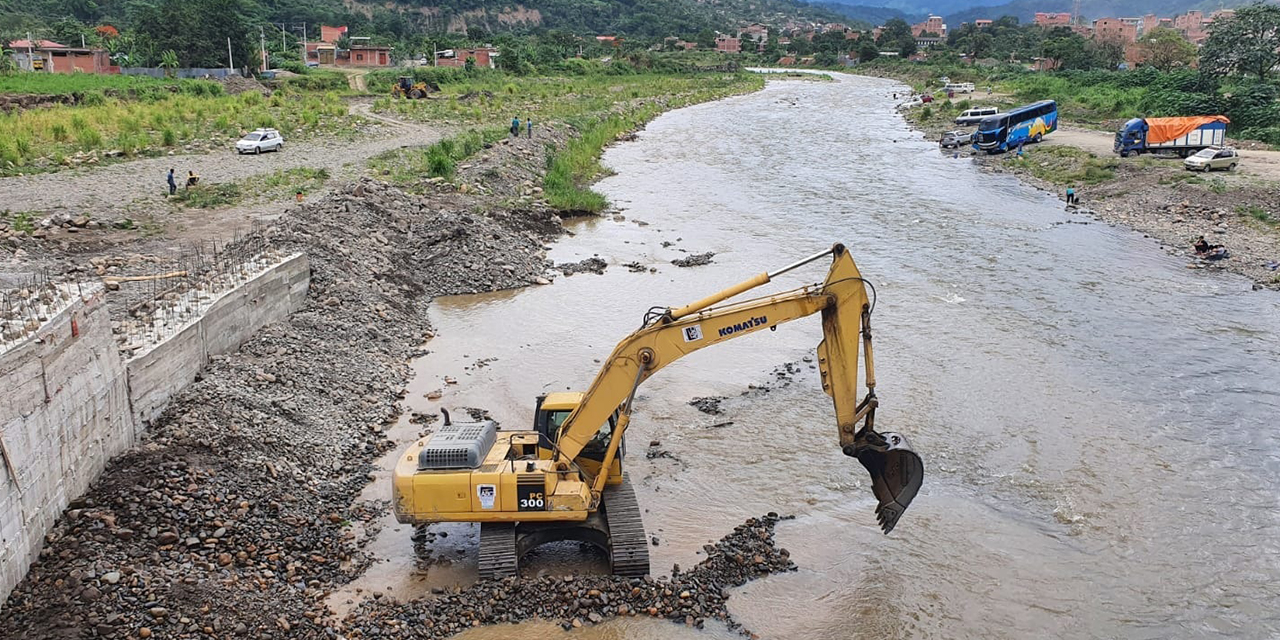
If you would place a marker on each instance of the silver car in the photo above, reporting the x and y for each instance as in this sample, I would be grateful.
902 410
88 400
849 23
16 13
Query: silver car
1212 158
956 139
260 140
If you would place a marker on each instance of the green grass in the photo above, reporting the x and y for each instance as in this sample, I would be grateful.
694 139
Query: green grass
34 140
20 221
82 83
409 166
1066 165
208 196
1257 213
280 184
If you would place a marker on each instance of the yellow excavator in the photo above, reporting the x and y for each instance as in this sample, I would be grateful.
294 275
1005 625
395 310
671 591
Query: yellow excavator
564 479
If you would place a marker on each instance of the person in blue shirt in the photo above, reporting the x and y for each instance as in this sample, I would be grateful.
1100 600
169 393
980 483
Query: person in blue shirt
1071 196
173 185
515 127
529 123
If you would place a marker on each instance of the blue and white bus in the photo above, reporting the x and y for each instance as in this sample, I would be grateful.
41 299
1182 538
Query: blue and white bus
1008 130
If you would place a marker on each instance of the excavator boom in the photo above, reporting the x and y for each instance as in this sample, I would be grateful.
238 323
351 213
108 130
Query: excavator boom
896 471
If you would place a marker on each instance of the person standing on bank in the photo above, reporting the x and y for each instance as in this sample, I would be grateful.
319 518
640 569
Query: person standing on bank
173 185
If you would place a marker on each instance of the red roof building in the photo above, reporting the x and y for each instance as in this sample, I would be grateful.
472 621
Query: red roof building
727 44
482 57
1114 29
1052 19
933 25
51 57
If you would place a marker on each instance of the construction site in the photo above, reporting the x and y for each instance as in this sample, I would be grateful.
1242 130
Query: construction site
395 408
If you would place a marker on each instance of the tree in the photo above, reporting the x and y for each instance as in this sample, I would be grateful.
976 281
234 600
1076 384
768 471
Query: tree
1107 53
893 32
1166 49
706 39
197 31
169 62
1246 43
868 51
1070 50
907 47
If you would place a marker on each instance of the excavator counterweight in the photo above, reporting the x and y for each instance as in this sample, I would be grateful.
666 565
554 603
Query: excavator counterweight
564 479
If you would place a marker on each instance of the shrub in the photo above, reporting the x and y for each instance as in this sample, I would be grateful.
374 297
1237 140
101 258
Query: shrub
169 137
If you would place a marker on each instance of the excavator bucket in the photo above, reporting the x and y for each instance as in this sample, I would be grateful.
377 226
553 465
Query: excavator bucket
896 472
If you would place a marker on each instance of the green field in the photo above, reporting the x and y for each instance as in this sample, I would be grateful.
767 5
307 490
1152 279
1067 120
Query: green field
165 116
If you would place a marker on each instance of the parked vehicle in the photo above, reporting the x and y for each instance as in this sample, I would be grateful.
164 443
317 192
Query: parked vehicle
1183 136
958 87
975 115
1004 131
954 139
260 140
1212 158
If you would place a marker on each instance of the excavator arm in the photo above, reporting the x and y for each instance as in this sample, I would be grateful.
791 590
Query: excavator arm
669 334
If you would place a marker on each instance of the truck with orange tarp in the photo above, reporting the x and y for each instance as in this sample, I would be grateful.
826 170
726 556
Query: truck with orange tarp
1183 136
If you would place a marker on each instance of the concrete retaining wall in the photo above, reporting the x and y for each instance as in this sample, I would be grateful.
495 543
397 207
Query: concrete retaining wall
64 412
157 374
69 402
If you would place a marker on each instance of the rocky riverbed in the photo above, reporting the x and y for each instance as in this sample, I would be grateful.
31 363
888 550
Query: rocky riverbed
234 515
686 597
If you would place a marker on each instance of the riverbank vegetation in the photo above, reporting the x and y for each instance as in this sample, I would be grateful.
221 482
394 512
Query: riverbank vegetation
153 120
599 106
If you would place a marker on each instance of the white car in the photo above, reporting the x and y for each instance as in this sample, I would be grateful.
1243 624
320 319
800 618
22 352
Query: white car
260 140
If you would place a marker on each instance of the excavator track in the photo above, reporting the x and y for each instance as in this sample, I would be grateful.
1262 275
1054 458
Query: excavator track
498 557
628 544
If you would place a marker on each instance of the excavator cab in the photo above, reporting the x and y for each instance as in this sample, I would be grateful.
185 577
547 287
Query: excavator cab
550 414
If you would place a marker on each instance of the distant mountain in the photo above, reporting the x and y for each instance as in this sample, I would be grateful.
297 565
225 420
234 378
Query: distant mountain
1025 10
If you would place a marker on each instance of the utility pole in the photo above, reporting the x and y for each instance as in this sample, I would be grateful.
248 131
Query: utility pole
262 37
231 64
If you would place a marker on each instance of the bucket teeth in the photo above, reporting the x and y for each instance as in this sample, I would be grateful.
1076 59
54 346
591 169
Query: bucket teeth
896 473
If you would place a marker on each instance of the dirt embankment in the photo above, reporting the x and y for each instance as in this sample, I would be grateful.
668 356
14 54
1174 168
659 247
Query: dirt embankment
234 516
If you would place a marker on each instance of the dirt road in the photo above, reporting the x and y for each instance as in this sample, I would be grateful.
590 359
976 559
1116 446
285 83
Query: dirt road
137 189
1261 164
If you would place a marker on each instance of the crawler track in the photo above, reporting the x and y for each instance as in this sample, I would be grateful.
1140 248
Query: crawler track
629 546
498 558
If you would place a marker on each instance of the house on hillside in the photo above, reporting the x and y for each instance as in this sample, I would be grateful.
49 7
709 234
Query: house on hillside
482 57
1048 20
728 44
51 57
933 25
1115 30
981 24
360 53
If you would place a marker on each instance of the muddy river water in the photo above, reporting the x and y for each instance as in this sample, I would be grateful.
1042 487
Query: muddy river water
1098 423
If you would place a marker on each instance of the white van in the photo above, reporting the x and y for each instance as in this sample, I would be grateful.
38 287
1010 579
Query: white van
959 87
975 115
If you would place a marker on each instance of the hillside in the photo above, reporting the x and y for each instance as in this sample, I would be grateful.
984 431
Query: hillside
868 14
399 18
1025 10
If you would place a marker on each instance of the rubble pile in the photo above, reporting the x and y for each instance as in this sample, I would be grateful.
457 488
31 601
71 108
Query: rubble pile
687 597
233 517
694 260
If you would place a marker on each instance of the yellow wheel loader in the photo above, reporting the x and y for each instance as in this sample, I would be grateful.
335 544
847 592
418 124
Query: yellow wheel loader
405 87
564 478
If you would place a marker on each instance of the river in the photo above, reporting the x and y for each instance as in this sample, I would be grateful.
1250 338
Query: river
1098 422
